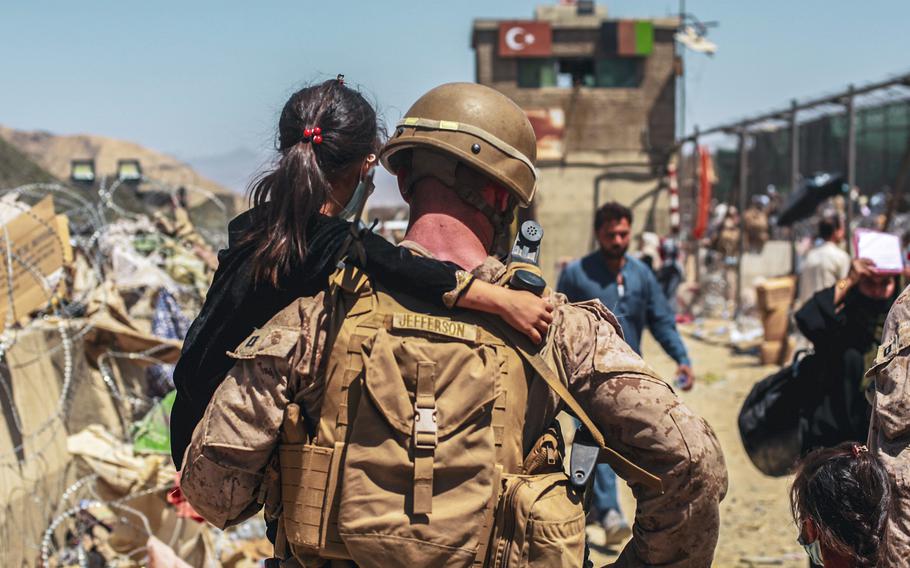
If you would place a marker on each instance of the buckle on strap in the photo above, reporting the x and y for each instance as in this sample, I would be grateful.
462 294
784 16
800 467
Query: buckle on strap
425 427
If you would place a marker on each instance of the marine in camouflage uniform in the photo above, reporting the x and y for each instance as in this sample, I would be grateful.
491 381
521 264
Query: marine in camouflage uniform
889 431
226 468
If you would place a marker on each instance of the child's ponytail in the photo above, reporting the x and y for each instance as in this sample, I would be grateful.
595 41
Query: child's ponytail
323 131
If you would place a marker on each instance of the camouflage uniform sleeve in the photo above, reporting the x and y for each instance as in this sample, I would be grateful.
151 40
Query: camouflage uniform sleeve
642 419
226 461
889 430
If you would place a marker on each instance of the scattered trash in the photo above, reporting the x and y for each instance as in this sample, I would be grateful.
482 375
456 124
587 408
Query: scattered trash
95 299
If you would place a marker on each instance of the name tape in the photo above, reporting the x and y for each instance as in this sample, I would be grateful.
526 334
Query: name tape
437 325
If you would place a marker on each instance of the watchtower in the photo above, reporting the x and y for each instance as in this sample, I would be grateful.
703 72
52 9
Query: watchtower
601 94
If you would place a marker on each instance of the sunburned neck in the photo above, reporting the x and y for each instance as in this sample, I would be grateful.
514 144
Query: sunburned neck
448 239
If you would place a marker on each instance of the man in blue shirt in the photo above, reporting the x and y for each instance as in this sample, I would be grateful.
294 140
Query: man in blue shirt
630 290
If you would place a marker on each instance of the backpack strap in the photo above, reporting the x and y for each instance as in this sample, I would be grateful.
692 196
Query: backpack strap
425 437
520 343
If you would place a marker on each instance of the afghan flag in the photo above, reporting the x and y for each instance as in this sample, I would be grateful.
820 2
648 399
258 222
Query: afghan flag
627 38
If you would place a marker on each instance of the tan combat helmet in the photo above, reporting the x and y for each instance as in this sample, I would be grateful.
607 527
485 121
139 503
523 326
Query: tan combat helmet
476 124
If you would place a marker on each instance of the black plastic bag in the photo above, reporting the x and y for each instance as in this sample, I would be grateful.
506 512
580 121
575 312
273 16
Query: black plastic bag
769 420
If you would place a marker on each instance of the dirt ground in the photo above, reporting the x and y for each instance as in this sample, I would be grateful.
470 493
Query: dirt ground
756 527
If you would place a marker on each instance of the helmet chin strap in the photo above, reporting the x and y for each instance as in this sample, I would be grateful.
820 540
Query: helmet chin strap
465 182
500 221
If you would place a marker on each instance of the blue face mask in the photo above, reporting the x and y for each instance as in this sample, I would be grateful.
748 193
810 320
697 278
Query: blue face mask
814 550
361 193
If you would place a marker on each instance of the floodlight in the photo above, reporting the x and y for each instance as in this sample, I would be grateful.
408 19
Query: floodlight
129 170
82 171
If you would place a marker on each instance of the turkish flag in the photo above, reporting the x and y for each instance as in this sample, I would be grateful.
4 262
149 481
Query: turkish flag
525 39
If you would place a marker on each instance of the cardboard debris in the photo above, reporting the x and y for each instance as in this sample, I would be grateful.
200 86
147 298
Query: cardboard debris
39 239
775 297
115 462
64 416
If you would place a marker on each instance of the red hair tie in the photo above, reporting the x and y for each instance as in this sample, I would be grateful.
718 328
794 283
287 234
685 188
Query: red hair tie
314 134
858 449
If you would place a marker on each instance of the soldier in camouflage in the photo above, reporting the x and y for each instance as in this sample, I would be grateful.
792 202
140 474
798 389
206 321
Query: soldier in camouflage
889 430
464 157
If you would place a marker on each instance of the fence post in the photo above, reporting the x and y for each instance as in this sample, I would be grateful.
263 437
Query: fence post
743 196
794 176
851 165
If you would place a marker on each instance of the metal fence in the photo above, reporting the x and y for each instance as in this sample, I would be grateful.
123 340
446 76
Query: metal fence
861 132
882 134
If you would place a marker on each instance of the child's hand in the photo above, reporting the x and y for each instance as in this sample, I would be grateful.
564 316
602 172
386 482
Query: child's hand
526 312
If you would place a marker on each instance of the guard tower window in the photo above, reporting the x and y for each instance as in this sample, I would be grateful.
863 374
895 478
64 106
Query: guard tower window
575 72
619 72
534 73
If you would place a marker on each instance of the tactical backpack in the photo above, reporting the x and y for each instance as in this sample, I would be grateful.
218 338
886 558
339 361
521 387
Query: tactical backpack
427 450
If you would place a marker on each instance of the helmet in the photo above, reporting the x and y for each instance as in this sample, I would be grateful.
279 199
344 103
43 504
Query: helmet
480 127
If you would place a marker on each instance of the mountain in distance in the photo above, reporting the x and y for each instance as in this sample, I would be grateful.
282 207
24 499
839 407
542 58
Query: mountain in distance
43 156
235 170
18 169
54 153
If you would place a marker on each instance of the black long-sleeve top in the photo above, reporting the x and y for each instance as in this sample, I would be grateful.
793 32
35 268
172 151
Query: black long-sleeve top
845 339
235 305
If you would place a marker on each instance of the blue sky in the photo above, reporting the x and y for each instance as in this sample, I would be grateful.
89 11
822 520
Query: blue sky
201 78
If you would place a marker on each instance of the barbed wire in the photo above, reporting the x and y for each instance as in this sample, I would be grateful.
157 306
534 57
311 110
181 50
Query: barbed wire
41 491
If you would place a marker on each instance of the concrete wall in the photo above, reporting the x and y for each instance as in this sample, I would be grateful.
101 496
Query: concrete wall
565 207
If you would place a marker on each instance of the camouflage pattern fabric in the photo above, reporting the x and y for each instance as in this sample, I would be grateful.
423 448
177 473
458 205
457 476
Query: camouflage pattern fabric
225 467
889 431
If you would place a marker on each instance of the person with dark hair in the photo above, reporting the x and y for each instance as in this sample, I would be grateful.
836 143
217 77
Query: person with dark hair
629 288
844 324
826 263
841 499
288 244
612 212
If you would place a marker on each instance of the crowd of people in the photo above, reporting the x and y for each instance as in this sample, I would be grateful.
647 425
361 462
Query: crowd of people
851 313
842 305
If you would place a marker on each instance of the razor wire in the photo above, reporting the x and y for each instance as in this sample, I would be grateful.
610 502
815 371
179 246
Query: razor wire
95 503
216 239
136 402
61 314
248 529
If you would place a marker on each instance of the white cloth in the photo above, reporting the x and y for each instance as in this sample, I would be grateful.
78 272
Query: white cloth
823 267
